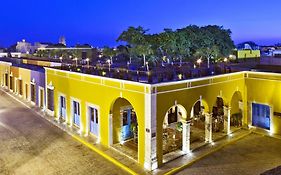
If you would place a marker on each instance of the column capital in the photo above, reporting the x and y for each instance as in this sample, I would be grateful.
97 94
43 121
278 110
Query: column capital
183 121
227 107
208 114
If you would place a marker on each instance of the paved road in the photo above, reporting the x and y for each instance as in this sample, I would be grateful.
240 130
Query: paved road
252 155
30 145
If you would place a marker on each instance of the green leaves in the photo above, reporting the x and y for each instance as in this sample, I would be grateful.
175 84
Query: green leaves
182 44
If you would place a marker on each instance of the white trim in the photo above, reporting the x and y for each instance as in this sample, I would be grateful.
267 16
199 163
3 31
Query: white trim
72 99
11 75
193 87
100 83
27 95
270 117
263 79
34 84
7 63
16 86
88 120
59 105
51 113
126 107
197 79
39 97
50 85
20 95
99 77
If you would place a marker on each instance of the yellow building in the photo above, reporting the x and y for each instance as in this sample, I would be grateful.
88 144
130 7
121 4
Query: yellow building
240 54
155 123
170 117
4 71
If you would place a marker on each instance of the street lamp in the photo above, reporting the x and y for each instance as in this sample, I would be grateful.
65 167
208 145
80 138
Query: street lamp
147 67
109 63
199 61
128 64
88 62
60 59
225 60
76 61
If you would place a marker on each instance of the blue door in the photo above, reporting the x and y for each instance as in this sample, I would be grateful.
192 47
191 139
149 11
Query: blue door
62 107
126 128
94 121
261 116
76 113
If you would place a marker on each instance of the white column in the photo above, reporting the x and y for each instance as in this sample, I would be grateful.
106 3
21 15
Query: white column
227 119
110 130
208 127
150 131
186 136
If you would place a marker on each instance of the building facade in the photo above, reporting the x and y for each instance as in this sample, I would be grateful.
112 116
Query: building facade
153 122
244 54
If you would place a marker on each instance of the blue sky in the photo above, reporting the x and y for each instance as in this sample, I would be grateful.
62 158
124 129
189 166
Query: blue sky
99 22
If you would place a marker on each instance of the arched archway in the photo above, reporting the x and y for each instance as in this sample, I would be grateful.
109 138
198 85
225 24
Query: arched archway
173 130
236 118
218 113
124 127
198 123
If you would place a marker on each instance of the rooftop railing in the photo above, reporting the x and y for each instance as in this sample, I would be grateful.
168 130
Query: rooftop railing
155 75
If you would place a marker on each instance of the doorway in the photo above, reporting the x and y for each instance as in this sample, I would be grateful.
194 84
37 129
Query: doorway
26 91
261 116
41 97
129 122
63 108
76 113
94 120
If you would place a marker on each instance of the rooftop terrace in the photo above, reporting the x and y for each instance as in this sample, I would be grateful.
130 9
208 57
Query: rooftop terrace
162 73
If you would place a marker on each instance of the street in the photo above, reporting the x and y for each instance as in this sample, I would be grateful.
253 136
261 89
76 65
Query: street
31 145
252 155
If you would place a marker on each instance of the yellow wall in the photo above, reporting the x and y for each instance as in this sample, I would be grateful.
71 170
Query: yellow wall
25 76
37 62
4 68
92 89
103 93
116 119
248 54
187 93
266 89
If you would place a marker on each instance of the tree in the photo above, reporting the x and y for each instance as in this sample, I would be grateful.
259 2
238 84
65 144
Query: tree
144 50
209 42
137 40
109 52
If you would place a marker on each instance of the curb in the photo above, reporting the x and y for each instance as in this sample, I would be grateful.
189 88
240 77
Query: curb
178 169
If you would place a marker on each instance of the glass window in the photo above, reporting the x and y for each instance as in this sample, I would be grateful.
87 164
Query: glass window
76 108
125 118
50 99
97 118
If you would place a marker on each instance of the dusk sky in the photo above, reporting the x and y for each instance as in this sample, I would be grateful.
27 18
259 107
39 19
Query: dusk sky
99 22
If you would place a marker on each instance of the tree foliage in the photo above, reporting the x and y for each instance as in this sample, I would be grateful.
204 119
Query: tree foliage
207 42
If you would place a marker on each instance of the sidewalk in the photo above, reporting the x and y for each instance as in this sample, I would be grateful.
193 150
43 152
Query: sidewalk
183 162
130 165
117 158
